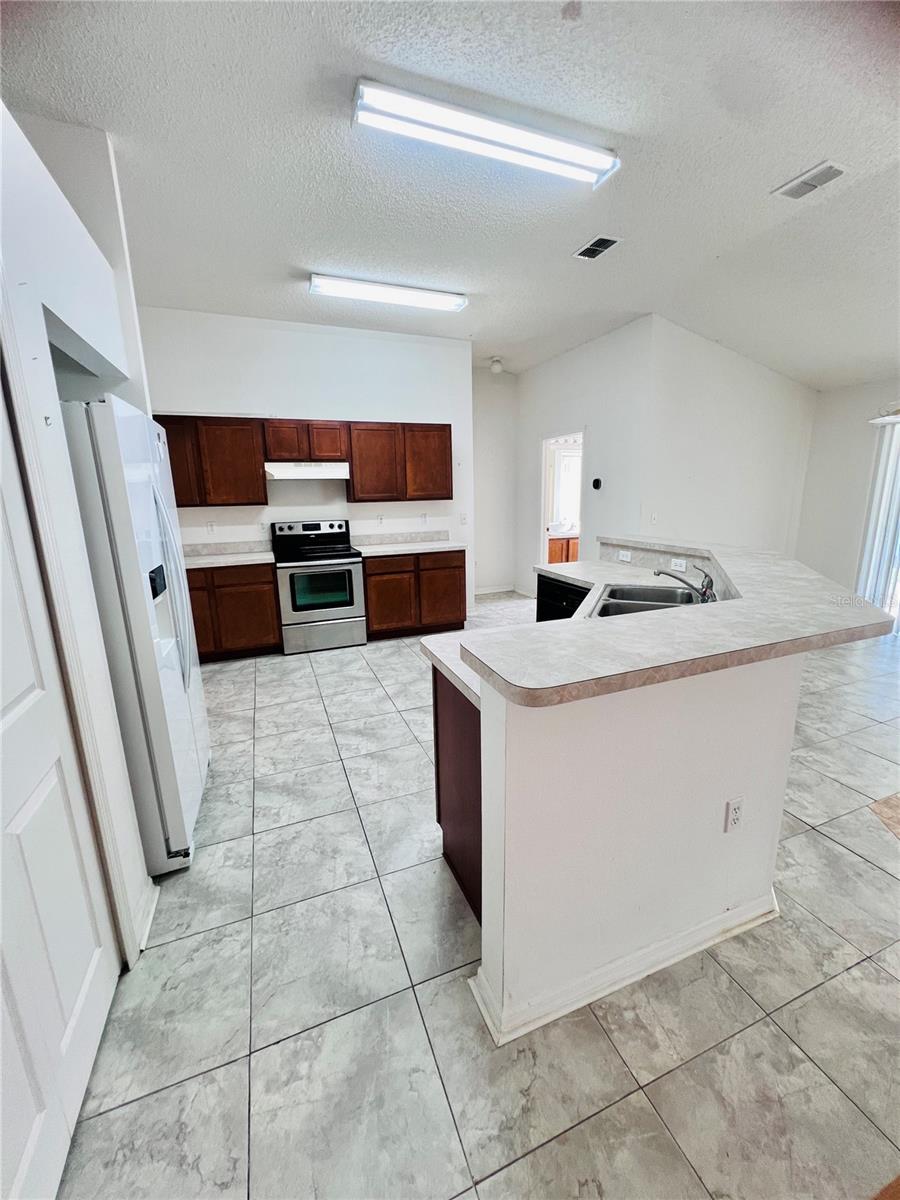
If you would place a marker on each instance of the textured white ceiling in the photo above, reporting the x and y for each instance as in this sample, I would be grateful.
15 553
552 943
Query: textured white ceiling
241 173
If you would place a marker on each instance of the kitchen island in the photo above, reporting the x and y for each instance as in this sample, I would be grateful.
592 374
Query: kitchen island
632 770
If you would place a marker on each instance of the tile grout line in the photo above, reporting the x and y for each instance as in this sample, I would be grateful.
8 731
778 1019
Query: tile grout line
421 1016
681 1148
834 1082
767 1013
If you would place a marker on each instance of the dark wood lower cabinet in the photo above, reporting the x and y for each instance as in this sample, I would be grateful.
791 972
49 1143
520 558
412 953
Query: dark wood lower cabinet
391 602
235 610
202 608
457 746
415 593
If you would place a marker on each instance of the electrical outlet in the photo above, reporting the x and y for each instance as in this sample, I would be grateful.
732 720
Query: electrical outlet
734 814
463 518
380 519
678 564
624 556
210 527
424 517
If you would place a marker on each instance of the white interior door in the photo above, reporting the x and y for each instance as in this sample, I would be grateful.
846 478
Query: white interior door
60 961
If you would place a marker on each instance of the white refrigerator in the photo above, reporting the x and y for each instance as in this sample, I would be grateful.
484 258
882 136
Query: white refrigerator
121 465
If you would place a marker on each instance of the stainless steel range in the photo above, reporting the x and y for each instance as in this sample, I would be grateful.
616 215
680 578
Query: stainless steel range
320 585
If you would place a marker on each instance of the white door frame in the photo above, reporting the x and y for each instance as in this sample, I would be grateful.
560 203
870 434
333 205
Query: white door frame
56 284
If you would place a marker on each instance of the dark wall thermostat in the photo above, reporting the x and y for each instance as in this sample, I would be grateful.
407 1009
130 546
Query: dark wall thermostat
595 484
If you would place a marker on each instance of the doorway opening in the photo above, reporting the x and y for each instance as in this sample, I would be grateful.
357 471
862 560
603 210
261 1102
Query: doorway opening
561 508
879 576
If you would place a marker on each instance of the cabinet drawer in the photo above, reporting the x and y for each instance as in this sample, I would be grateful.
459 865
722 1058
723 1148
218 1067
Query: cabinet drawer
255 573
442 560
198 578
389 564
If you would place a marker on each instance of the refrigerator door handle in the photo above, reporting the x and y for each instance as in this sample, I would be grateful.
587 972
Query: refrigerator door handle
175 571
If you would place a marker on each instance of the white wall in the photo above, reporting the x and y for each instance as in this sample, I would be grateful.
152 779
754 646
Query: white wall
83 163
206 363
839 477
603 390
495 408
730 440
691 441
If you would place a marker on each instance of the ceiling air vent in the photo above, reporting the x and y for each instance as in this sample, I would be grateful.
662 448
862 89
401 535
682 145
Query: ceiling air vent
810 181
595 248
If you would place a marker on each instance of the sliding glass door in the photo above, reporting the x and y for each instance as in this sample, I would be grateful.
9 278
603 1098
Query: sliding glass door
879 577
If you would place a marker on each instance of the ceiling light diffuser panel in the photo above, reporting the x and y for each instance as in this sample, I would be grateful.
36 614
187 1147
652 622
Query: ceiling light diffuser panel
385 293
396 111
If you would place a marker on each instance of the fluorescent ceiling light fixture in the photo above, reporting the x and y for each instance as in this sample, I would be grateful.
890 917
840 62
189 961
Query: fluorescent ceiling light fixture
385 293
461 129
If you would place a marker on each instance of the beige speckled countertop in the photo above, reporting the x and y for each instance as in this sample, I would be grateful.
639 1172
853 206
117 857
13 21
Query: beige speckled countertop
410 548
777 607
247 558
221 558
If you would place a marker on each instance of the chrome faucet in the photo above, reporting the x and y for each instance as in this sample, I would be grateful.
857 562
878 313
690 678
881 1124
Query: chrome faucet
704 592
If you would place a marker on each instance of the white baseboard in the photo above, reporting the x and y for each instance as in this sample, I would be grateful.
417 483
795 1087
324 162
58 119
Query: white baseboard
505 1026
489 591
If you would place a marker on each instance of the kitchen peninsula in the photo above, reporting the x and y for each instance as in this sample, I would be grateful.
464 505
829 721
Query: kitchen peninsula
632 770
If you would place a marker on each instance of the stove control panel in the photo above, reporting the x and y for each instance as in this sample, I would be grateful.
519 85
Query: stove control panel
312 527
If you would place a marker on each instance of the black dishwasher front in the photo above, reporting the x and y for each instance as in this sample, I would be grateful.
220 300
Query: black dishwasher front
557 599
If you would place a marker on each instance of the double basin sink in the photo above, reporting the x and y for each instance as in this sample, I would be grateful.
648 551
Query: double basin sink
617 599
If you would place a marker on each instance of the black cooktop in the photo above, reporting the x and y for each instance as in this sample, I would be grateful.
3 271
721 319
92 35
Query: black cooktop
312 541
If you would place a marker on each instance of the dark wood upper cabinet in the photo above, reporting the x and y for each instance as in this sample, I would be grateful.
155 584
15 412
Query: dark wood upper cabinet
184 459
329 441
429 462
287 441
231 460
221 460
376 454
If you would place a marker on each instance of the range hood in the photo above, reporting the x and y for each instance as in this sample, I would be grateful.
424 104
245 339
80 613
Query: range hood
307 470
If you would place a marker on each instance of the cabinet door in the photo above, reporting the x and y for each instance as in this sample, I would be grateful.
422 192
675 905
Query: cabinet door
204 627
246 609
429 462
572 550
391 601
442 596
329 441
231 459
376 461
184 459
287 441
557 548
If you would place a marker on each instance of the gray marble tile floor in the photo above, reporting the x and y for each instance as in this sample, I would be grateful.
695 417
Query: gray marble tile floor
302 1026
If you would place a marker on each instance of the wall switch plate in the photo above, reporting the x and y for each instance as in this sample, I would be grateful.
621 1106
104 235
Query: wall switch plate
463 518
210 527
654 518
624 556
678 564
734 814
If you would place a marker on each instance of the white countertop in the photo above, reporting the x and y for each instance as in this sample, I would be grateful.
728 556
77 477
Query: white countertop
443 650
779 607
245 559
410 548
